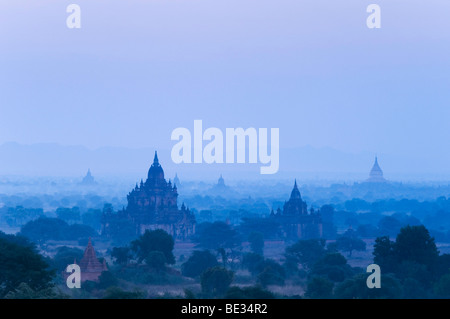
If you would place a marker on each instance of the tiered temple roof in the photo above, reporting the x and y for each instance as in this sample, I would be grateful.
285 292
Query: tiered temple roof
295 220
91 268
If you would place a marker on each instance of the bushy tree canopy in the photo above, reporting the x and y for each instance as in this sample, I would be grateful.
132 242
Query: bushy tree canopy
307 252
152 241
198 263
217 235
22 264
216 280
44 229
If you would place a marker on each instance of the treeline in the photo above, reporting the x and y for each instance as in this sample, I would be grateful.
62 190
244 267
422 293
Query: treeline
386 217
67 223
411 267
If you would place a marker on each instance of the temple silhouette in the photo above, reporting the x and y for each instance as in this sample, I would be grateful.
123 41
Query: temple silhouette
221 189
153 205
176 180
88 180
295 221
91 268
376 174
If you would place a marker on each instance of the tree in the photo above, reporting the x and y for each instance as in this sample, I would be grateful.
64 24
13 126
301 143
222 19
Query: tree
415 244
68 214
79 231
349 242
19 215
333 266
17 239
307 252
198 263
383 253
216 280
389 226
413 270
25 292
217 235
106 279
442 265
271 274
248 293
65 256
223 254
413 289
253 262
442 287
356 288
319 288
22 264
155 240
120 228
117 293
92 218
156 260
256 240
267 226
121 255
43 229
367 231
413 256
327 214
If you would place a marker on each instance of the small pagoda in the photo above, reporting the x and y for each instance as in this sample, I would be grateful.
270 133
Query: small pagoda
91 268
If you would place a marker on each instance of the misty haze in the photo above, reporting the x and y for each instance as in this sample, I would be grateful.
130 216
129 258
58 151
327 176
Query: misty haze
94 206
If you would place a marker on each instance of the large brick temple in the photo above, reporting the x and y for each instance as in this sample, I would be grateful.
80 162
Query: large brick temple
295 221
153 205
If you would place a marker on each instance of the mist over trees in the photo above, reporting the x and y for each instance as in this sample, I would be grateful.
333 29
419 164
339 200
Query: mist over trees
238 251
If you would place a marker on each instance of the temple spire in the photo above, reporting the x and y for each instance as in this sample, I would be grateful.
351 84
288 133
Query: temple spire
295 194
376 173
155 160
91 268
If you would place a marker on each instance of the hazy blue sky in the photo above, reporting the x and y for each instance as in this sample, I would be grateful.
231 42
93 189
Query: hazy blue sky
138 69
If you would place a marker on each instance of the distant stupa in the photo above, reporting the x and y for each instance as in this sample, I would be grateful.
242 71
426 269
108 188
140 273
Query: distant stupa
176 180
221 189
376 174
221 182
88 179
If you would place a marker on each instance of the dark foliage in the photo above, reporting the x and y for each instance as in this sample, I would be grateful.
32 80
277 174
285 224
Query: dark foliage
198 263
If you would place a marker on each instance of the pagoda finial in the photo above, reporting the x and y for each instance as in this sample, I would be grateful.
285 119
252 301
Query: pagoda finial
295 192
155 160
